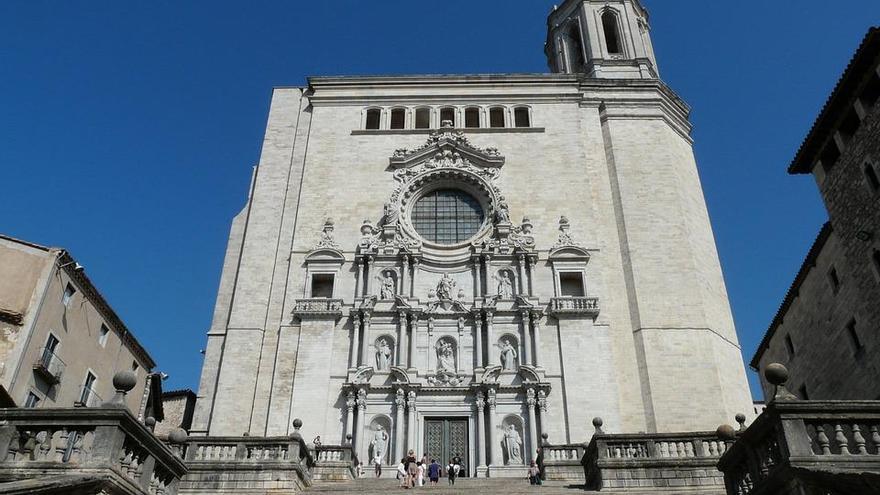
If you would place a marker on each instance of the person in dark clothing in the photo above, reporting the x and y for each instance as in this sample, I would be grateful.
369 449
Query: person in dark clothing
434 472
451 472
540 462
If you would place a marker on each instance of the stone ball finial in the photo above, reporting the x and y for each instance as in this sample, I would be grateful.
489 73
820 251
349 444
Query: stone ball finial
741 421
597 424
726 432
297 424
124 381
776 373
178 436
150 422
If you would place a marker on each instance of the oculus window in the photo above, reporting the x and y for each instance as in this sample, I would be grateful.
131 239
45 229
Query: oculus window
447 216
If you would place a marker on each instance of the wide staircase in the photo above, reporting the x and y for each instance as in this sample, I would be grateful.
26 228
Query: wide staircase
368 486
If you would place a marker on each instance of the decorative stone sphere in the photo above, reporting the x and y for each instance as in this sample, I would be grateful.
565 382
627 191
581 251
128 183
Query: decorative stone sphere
178 436
726 432
124 380
150 422
545 436
597 422
348 436
297 423
776 373
740 418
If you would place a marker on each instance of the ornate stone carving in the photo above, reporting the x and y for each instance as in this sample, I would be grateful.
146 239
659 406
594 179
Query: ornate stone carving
513 445
411 400
445 288
446 135
350 401
565 239
445 349
491 400
521 236
327 241
480 401
531 399
387 289
508 355
505 284
400 398
362 399
445 378
383 355
379 442
542 401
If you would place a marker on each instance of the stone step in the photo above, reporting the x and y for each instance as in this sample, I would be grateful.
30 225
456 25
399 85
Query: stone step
481 486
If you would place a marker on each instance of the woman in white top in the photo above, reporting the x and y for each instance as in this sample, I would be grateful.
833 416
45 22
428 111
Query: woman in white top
401 473
420 480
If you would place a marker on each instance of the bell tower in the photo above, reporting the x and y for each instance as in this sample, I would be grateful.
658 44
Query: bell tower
604 39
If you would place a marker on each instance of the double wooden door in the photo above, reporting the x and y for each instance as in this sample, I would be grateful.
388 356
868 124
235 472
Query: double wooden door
446 438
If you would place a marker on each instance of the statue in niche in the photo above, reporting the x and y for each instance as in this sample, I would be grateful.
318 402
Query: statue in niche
386 291
508 355
505 285
445 356
379 442
391 214
513 446
445 288
383 355
502 215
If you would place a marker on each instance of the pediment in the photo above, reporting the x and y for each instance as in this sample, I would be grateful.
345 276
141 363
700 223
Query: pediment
447 148
325 255
569 253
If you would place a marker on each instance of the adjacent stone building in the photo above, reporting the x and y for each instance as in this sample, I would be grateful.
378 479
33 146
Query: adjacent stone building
826 331
458 264
60 341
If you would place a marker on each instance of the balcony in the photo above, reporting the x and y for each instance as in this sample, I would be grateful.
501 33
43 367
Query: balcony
88 398
49 367
574 306
318 308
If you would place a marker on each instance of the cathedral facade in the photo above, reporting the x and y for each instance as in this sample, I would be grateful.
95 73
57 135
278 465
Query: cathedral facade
459 265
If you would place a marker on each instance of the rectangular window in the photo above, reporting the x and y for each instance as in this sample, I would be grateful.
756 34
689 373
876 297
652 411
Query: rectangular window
571 284
88 389
398 118
853 335
802 392
32 400
134 366
374 118
521 117
789 346
496 117
69 291
871 177
834 280
52 343
447 114
102 336
423 118
322 285
472 117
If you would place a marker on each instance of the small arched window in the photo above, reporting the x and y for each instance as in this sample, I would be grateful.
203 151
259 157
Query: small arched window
612 34
472 117
398 118
374 117
575 48
447 113
496 117
521 117
423 118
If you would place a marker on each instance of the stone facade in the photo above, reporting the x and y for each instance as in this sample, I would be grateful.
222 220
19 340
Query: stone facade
825 332
56 329
591 285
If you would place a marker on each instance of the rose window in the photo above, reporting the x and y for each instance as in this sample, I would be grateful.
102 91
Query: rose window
447 216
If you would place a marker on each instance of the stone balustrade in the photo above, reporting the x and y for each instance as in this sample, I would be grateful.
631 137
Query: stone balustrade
335 462
820 446
235 465
574 306
75 449
318 307
563 462
654 460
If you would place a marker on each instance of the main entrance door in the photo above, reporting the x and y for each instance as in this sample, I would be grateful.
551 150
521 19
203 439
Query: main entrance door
446 438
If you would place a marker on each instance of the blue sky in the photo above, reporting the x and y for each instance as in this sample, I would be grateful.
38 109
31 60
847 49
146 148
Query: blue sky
129 129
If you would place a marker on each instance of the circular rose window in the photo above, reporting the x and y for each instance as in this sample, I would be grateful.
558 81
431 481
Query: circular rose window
447 216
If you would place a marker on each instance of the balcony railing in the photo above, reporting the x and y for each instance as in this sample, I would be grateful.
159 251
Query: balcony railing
574 306
88 397
830 446
318 307
49 366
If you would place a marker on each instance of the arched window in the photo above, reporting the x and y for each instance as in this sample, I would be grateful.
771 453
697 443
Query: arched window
398 118
496 117
521 117
472 117
423 118
612 35
374 117
447 113
575 48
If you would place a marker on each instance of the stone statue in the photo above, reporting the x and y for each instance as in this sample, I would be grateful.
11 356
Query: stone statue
383 355
513 446
445 288
379 443
445 356
505 285
508 355
387 289
502 215
390 214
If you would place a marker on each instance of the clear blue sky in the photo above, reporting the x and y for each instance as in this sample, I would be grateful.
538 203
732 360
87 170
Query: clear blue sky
129 129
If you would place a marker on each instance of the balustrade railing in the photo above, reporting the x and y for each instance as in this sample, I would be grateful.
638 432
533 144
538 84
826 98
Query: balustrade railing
49 366
573 305
318 307
795 438
36 443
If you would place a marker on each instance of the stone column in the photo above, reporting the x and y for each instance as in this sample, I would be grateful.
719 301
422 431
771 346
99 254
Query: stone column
478 284
411 420
430 365
365 344
531 401
413 331
415 273
401 334
526 336
355 340
494 454
478 339
359 274
402 288
358 435
542 407
490 339
399 430
532 263
368 274
480 404
536 337
520 261
459 344
350 402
